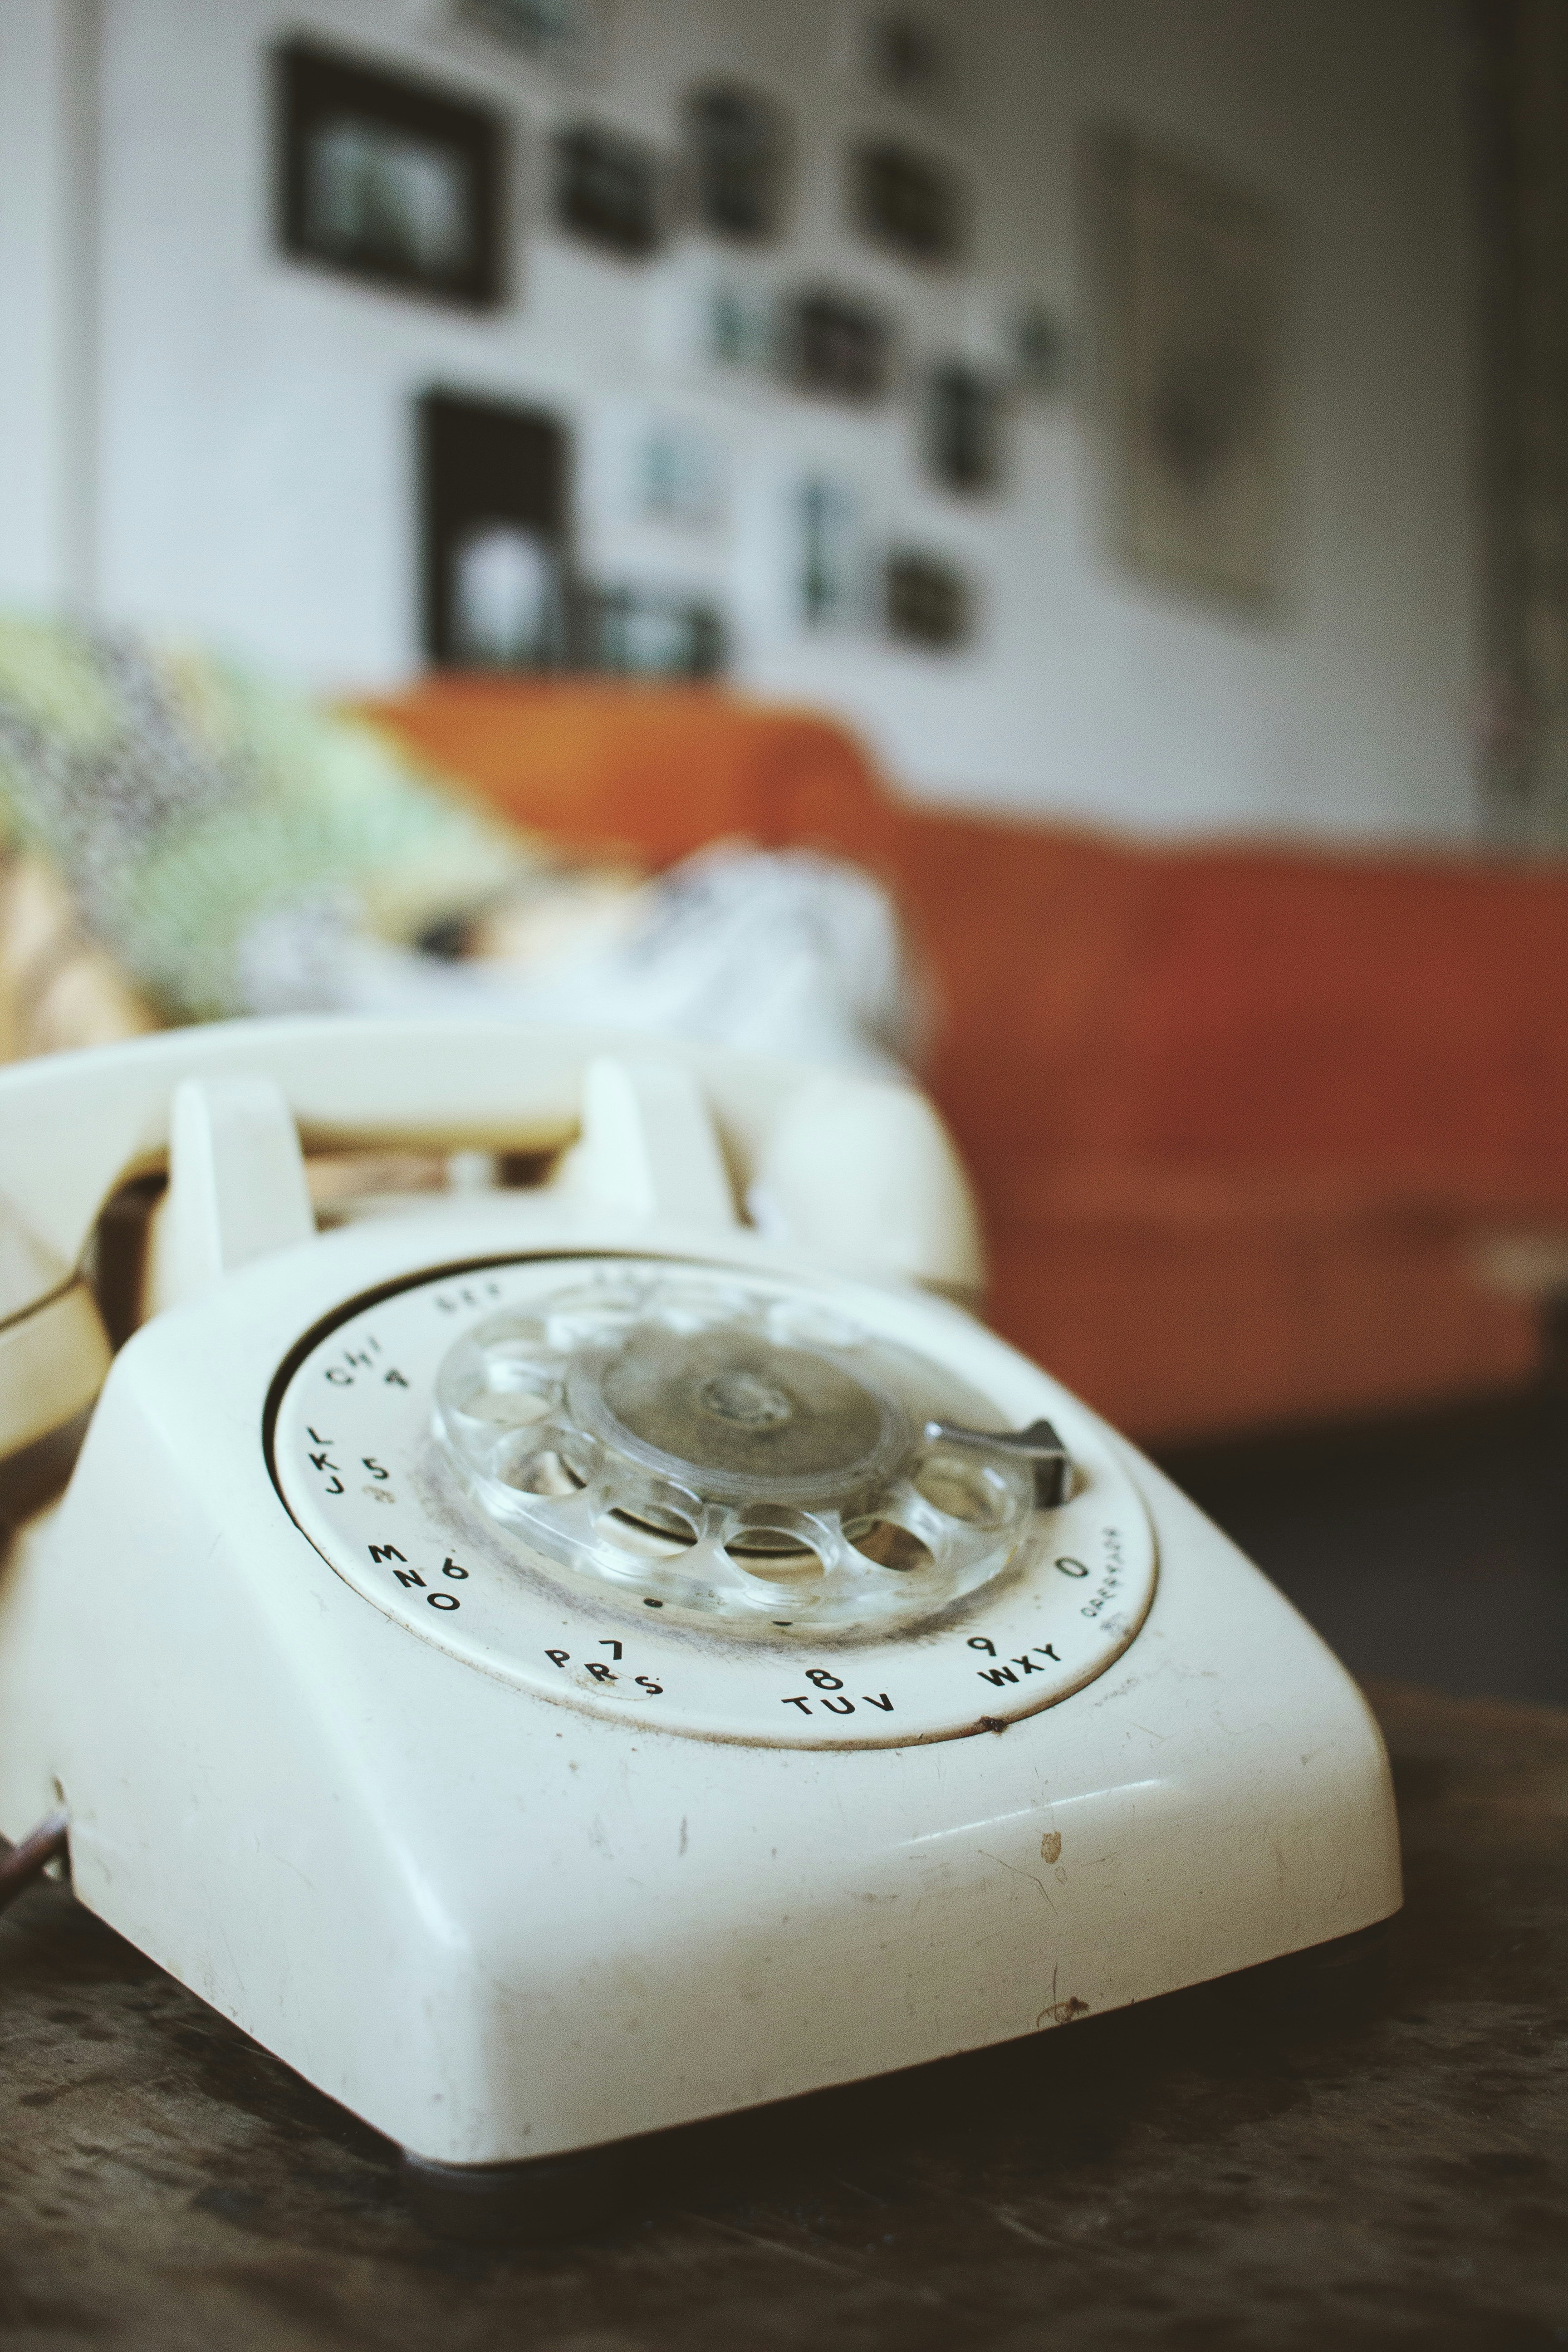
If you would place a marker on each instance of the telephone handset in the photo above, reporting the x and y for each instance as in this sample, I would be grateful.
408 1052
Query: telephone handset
564 1660
852 1167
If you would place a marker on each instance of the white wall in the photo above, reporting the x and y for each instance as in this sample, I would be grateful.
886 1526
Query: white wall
255 444
48 300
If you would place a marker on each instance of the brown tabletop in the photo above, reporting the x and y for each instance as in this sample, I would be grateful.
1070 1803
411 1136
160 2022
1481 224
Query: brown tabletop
1200 2173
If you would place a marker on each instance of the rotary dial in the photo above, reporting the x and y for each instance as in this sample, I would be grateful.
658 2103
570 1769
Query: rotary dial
724 1502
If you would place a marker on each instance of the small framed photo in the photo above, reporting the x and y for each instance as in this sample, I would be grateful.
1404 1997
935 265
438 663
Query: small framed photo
609 190
739 148
680 476
388 179
643 633
712 316
567 35
834 572
964 428
494 493
836 345
928 600
741 330
905 55
910 203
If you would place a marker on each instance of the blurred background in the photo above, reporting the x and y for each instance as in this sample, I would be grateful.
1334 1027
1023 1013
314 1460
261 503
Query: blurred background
1026 538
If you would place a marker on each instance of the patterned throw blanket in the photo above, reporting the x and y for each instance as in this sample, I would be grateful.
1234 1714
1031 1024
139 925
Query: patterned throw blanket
179 843
192 814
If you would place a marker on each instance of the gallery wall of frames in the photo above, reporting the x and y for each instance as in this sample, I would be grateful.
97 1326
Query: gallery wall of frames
401 183
968 367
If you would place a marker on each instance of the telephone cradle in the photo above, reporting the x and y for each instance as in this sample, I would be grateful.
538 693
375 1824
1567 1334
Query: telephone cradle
555 1663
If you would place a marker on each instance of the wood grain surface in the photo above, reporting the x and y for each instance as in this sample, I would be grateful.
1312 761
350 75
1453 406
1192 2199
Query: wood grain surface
1211 2172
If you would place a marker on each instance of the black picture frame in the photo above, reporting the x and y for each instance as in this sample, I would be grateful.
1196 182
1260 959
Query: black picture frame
499 589
624 632
909 203
739 150
962 428
609 190
387 179
905 55
494 483
928 601
836 345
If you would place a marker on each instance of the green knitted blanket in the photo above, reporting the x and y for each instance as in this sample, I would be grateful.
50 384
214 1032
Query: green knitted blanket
190 808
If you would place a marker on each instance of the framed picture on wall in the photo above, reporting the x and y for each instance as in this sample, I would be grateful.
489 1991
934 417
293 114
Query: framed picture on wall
609 190
495 570
626 632
836 345
388 179
964 428
1189 287
910 203
680 473
905 54
928 600
834 567
738 146
741 328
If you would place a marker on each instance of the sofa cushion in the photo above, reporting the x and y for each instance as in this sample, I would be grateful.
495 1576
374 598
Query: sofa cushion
1182 1303
1404 1017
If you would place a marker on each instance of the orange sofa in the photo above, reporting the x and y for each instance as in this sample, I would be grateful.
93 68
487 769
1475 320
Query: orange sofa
1237 1117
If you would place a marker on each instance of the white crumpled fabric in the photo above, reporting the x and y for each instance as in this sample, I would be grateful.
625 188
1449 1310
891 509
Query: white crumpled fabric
787 952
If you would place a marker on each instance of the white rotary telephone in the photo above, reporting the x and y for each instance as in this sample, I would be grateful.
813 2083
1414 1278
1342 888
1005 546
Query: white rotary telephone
554 1663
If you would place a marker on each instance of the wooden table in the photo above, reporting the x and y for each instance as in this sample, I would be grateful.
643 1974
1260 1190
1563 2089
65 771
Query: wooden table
1195 2174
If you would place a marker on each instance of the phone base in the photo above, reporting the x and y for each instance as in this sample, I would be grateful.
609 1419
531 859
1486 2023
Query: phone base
515 1863
553 2200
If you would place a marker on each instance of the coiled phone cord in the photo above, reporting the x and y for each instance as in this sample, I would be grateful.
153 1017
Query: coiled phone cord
21 1863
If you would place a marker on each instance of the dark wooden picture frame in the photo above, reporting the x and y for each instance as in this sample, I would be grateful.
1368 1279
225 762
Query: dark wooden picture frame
494 482
739 149
909 203
836 345
609 190
387 179
962 428
929 603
